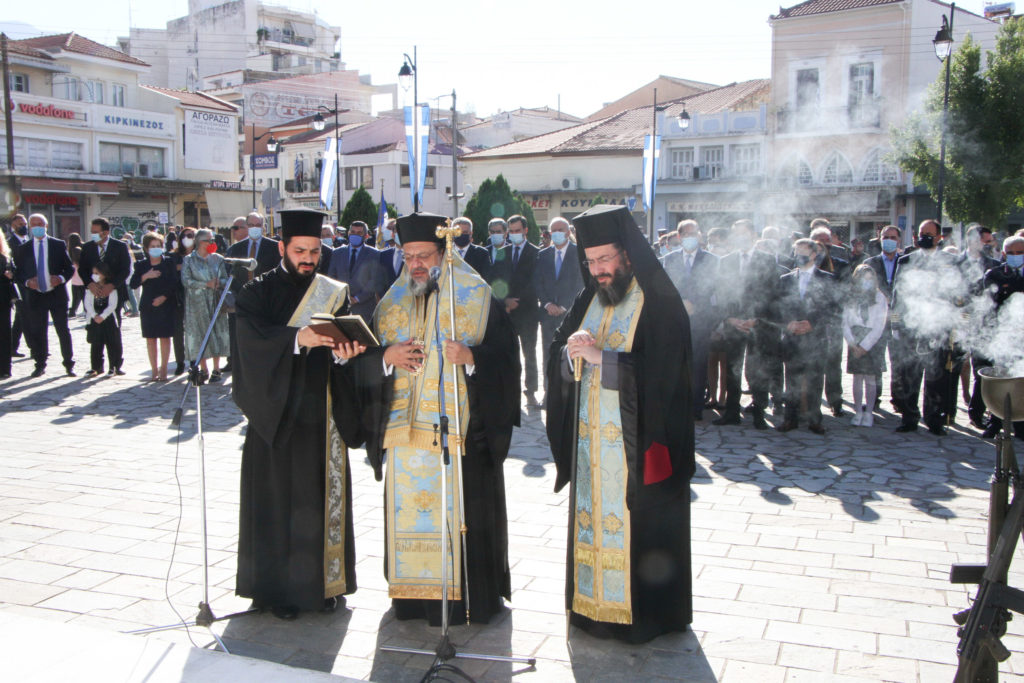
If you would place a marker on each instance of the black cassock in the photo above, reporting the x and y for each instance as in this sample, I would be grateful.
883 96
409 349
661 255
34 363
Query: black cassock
284 397
655 400
493 412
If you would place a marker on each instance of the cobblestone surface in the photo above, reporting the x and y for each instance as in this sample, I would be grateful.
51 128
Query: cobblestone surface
814 558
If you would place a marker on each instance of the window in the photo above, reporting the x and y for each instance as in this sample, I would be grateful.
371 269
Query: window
131 160
837 170
682 163
807 88
711 162
803 173
876 170
67 88
19 82
44 154
360 176
429 184
117 95
96 91
862 83
746 160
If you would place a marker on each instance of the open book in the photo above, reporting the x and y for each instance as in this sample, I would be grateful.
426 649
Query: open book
344 328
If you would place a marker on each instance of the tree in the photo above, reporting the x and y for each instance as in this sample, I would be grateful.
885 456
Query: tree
984 178
360 207
495 199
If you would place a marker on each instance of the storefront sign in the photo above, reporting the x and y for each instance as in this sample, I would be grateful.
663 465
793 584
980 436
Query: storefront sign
48 199
211 141
46 110
224 185
587 202
709 207
264 161
538 203
133 122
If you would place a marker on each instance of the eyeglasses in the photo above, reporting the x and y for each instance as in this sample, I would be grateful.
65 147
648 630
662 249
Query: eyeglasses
409 258
600 261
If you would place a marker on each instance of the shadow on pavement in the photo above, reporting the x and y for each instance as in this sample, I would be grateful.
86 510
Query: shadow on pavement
672 656
312 641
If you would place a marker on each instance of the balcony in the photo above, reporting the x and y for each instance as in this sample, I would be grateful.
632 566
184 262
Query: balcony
830 119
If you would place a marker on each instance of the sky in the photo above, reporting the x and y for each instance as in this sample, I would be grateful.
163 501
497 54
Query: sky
498 55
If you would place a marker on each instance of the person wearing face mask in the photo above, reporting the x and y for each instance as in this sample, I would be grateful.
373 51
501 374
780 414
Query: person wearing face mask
803 307
203 276
928 293
250 243
559 280
835 261
693 271
186 243
19 236
885 265
1005 281
102 246
326 248
42 267
497 229
358 265
158 277
864 320
472 254
391 262
975 260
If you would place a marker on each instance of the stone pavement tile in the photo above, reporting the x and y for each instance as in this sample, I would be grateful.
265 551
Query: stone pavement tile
719 625
737 671
794 596
91 541
925 613
770 580
726 608
804 676
31 571
783 556
20 593
917 649
139 587
830 573
75 600
879 668
85 579
824 636
889 591
930 671
859 622
807 657
733 647
714 589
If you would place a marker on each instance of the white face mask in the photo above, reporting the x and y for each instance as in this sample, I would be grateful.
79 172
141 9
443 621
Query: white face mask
327 242
96 277
187 242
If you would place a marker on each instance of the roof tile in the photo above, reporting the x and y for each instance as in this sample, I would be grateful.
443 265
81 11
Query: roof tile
72 42
824 6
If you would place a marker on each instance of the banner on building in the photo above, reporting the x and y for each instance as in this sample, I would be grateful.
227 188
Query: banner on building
417 142
329 172
211 141
652 151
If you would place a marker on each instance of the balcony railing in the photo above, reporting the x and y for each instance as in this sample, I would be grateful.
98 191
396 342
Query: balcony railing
839 119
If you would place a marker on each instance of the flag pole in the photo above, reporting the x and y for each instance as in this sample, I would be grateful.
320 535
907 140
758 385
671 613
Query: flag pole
650 162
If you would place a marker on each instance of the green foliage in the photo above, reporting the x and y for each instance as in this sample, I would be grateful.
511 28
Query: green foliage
984 178
495 199
360 207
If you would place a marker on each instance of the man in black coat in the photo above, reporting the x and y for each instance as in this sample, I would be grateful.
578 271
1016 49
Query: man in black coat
694 271
42 268
745 288
497 229
885 265
113 252
249 243
513 282
326 248
974 263
476 256
559 280
804 307
834 260
1004 281
358 265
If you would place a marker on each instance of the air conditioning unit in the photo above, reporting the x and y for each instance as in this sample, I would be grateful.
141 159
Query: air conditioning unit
570 183
142 170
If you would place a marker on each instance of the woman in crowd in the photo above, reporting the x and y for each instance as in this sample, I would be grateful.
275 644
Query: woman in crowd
157 274
77 286
204 275
186 243
863 324
101 329
6 297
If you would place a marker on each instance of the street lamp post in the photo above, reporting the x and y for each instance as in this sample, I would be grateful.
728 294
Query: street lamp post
271 147
407 73
943 43
319 124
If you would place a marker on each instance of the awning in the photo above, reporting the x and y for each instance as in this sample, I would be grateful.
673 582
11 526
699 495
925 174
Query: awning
68 186
227 205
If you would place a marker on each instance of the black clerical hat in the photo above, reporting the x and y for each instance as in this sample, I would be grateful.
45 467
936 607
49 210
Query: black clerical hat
420 227
301 223
603 224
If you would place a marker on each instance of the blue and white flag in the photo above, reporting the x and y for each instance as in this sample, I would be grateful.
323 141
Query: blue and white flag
382 211
418 150
652 151
328 173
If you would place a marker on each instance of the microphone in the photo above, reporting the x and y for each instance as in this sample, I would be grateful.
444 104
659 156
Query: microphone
435 274
247 263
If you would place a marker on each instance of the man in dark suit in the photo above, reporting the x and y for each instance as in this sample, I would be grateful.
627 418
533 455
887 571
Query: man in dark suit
1004 281
830 262
745 287
358 265
113 252
513 281
497 231
885 265
476 256
559 280
974 262
248 242
42 267
326 248
925 303
803 307
694 271
391 262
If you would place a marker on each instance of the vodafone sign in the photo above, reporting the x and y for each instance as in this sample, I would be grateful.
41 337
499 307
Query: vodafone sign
46 110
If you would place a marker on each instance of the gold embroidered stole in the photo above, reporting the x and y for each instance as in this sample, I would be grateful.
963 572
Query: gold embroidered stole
601 533
413 492
325 295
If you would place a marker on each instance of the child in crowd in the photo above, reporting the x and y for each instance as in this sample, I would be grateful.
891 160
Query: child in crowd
863 324
102 331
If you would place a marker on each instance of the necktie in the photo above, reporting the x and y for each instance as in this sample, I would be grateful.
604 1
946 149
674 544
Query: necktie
103 250
41 277
558 263
803 286
351 260
252 254
515 258
689 262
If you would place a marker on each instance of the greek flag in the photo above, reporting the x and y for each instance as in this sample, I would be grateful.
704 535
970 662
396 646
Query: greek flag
652 150
328 173
382 211
418 150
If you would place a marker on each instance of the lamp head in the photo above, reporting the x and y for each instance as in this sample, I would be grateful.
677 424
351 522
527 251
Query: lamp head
943 41
684 119
272 144
405 75
318 122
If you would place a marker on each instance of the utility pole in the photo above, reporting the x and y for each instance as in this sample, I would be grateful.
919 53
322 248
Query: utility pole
455 161
8 105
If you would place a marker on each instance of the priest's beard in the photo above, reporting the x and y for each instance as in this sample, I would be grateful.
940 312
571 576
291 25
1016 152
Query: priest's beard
419 288
612 293
293 272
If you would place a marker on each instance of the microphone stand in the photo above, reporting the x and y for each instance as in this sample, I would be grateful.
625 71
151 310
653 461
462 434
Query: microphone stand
445 649
205 616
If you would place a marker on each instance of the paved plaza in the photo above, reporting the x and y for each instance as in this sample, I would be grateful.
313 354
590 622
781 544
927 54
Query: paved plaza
814 559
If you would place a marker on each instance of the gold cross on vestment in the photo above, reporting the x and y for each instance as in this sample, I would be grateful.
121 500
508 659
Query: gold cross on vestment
448 232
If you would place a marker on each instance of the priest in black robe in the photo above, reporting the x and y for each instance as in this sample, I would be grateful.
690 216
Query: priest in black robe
630 454
295 542
404 407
